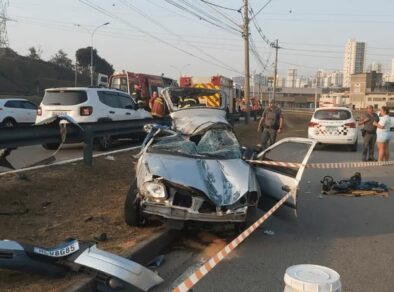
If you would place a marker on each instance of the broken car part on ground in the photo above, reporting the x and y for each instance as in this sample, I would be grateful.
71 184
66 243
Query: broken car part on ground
114 272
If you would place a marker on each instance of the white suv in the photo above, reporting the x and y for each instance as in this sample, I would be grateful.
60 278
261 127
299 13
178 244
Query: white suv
334 125
89 105
14 111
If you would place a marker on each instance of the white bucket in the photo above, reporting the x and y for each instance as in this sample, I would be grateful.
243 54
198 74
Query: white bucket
311 278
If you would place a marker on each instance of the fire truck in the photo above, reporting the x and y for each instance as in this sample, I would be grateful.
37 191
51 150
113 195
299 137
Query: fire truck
144 84
214 82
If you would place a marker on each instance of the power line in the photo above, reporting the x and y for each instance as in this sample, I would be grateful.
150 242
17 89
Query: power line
105 12
224 26
259 30
136 9
221 13
261 9
219 6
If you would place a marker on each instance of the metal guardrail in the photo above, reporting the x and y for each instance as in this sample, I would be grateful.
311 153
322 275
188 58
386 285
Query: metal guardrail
86 133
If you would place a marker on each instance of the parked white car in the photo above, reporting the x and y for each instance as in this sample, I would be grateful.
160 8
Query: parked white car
16 111
89 105
334 125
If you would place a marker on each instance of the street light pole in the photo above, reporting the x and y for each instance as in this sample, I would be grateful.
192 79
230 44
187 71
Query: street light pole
92 32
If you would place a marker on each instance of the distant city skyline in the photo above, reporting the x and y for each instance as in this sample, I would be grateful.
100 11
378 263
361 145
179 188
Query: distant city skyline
152 35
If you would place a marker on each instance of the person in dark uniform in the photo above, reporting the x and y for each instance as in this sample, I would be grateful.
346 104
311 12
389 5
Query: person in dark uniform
272 123
369 134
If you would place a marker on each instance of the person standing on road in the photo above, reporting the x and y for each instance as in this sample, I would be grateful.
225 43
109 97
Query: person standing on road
272 123
383 134
157 105
369 134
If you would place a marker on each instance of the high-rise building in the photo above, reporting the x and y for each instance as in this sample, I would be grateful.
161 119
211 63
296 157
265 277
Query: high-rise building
354 60
291 78
375 66
392 70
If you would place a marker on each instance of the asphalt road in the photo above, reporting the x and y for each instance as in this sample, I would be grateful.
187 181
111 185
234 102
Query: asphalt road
26 156
351 235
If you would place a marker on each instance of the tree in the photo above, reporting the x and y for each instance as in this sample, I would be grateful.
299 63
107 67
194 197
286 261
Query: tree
100 64
34 53
61 59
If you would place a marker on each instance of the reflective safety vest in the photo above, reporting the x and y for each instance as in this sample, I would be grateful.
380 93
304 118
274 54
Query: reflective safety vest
158 107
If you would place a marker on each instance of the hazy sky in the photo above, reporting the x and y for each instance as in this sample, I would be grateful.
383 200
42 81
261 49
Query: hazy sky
312 33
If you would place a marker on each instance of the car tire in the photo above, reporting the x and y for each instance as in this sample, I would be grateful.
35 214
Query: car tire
132 210
105 143
9 123
354 146
251 217
51 146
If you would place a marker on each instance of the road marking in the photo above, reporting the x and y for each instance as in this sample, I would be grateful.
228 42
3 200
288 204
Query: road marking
68 161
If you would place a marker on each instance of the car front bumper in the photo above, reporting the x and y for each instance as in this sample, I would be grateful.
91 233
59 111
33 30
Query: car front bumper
185 214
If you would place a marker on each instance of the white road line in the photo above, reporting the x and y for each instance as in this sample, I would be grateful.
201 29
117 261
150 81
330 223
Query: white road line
68 161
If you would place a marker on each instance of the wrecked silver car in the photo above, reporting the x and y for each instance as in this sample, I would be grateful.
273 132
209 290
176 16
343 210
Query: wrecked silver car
197 171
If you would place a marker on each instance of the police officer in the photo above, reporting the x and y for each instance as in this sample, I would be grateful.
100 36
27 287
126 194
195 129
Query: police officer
272 123
369 134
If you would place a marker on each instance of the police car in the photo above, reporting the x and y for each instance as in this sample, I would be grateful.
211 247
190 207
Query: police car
334 125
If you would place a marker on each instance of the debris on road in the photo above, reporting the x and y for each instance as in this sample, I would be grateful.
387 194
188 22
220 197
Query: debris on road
353 187
110 157
79 256
269 232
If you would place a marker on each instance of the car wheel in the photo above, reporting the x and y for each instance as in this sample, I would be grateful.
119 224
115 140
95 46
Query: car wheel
251 217
105 143
51 146
9 123
132 210
354 146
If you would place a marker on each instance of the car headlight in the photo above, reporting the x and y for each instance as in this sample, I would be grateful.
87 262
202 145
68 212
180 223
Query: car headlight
155 190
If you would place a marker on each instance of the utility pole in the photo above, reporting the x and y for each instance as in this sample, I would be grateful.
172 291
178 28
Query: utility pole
76 70
245 35
276 47
3 23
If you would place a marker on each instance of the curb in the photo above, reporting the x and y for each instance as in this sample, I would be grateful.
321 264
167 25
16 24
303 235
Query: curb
142 253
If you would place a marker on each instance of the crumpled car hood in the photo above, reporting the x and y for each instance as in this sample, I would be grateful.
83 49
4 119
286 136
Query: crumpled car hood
223 181
191 121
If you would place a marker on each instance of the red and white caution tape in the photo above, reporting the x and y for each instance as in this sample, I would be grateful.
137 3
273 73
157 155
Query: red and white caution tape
324 165
199 273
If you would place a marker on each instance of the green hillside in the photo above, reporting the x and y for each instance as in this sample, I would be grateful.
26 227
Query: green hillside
20 75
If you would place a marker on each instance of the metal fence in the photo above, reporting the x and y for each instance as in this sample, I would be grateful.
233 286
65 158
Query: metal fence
86 133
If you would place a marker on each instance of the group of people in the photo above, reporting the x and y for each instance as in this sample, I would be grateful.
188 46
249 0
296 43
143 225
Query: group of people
376 131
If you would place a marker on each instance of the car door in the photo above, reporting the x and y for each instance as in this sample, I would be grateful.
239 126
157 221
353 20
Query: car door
110 108
128 110
13 110
29 111
275 181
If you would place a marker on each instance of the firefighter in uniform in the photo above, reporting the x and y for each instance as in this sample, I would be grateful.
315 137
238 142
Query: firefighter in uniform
157 105
271 122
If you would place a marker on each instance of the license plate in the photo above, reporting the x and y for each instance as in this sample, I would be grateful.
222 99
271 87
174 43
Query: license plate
59 252
331 128
59 113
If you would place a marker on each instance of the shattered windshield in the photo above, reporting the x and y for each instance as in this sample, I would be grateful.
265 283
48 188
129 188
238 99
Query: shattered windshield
215 143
